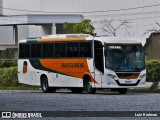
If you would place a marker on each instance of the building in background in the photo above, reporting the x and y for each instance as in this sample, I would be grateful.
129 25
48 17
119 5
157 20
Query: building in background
16 27
31 18
20 26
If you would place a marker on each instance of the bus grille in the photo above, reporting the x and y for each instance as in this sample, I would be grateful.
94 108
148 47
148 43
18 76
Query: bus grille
127 75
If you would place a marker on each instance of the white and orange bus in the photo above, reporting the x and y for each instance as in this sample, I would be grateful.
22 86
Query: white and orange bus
82 62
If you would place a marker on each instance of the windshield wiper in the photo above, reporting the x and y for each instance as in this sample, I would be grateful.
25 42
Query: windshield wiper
135 66
121 63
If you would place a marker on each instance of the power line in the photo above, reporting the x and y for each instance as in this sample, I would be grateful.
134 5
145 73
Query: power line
141 18
114 10
129 14
151 12
133 19
125 14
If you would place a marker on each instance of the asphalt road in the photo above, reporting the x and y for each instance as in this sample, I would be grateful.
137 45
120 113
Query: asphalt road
67 101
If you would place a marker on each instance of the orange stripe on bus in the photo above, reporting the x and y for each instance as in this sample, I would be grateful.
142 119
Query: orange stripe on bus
61 40
72 67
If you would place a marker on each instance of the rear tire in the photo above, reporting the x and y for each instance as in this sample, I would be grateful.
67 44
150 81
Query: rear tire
87 85
122 90
77 90
45 87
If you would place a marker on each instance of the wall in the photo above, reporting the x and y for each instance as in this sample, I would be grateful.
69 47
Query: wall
1 7
152 47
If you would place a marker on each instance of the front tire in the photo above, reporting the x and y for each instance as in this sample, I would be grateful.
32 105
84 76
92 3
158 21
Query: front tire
45 87
87 85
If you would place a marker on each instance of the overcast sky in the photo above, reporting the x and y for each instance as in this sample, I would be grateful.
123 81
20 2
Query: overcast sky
142 15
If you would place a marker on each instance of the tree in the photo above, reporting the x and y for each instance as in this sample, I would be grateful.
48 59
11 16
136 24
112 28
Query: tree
153 30
110 28
84 27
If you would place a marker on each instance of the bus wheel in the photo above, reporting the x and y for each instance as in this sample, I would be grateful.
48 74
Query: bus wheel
44 86
122 90
87 85
77 90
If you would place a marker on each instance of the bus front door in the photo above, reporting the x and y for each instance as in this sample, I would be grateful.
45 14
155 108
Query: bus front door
98 62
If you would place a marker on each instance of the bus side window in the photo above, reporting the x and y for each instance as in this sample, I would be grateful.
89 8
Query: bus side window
39 51
45 50
63 50
73 49
21 51
24 51
85 49
60 49
27 50
50 50
33 50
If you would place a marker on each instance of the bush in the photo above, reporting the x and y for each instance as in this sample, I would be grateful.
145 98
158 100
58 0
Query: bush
8 64
8 77
153 70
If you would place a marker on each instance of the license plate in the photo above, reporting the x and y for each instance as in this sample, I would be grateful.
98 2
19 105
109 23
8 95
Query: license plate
127 82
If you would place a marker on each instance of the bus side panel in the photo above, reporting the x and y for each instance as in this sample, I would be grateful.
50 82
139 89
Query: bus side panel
68 69
55 80
92 72
37 76
59 80
63 80
30 72
31 76
98 78
74 82
50 77
70 81
25 74
97 75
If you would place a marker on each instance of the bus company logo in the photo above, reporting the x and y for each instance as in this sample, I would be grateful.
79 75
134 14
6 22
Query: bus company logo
72 65
6 115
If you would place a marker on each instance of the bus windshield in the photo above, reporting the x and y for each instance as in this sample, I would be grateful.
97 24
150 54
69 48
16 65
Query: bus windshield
124 57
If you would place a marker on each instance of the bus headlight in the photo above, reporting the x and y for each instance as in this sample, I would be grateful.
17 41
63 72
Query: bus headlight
113 76
142 76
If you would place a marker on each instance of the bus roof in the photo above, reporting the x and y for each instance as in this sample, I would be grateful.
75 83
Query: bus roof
58 38
80 37
66 36
120 40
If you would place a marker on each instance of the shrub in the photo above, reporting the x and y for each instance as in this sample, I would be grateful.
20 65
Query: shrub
8 64
8 77
153 70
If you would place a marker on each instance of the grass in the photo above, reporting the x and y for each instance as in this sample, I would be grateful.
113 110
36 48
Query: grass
145 90
21 87
136 90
